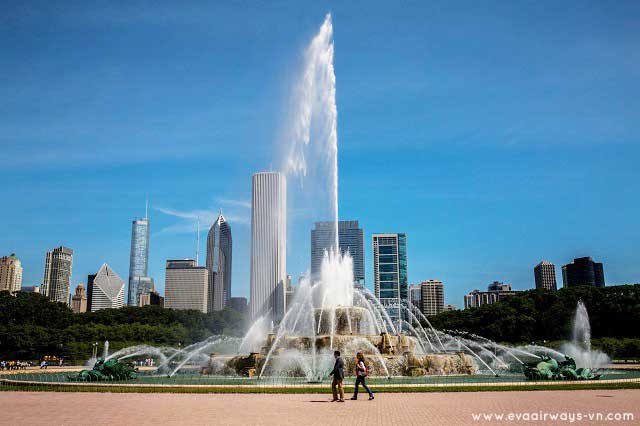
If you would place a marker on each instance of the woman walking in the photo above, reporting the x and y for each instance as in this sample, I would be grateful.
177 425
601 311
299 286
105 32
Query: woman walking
361 375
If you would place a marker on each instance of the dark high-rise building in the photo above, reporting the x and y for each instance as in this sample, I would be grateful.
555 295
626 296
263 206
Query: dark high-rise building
219 248
350 238
545 275
583 271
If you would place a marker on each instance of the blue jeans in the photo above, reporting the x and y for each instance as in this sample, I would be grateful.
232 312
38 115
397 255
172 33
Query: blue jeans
361 379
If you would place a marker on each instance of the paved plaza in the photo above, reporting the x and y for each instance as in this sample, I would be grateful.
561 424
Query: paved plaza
66 408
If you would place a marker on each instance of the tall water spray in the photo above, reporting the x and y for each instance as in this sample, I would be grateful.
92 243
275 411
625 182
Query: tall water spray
581 336
312 153
579 348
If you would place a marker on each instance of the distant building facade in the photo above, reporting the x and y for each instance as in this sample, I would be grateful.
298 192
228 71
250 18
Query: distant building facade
449 307
583 271
186 285
289 292
496 291
56 284
432 293
10 273
545 276
219 250
152 298
30 289
268 245
415 295
79 300
238 304
139 282
105 290
390 272
350 238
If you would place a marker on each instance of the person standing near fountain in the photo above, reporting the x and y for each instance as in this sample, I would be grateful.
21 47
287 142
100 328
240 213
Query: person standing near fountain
338 377
361 375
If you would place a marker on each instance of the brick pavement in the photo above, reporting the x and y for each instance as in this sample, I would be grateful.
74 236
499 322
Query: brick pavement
48 408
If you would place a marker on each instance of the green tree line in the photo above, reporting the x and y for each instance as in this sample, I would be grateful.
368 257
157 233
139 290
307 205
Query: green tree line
34 326
547 316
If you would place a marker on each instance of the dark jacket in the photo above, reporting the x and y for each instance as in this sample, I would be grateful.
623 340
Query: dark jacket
338 369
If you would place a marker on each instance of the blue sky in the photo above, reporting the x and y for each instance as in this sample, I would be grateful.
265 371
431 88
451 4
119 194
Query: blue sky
495 134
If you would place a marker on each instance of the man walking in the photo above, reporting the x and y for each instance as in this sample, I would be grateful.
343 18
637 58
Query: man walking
338 376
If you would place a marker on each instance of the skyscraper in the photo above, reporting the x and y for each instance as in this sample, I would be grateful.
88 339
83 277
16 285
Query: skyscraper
56 283
415 295
350 238
139 260
106 290
432 297
268 244
79 300
583 271
186 285
390 271
219 249
10 273
545 275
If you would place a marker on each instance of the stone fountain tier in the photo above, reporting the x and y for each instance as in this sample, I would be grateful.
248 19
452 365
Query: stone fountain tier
347 320
407 364
394 355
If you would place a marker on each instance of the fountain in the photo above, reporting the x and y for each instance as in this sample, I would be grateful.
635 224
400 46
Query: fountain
579 348
329 313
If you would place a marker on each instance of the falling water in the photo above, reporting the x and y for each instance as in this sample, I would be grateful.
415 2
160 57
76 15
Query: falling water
311 156
581 336
580 346
313 137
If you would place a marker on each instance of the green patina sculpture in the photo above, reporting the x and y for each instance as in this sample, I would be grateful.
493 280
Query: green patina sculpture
112 369
550 369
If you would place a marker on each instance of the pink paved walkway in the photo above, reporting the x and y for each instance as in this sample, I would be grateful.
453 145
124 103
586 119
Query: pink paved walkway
43 408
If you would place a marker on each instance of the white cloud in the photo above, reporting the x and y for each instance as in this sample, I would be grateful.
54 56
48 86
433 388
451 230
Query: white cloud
236 203
189 222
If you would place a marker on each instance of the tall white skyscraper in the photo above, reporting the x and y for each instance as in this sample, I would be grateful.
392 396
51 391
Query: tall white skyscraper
268 244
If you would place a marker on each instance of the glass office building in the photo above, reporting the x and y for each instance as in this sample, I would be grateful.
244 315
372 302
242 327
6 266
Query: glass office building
219 251
390 272
138 261
350 238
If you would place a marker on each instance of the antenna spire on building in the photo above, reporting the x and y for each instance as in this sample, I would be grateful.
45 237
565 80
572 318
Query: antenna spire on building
198 242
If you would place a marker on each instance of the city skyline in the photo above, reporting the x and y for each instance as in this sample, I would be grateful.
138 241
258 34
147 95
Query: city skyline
474 148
